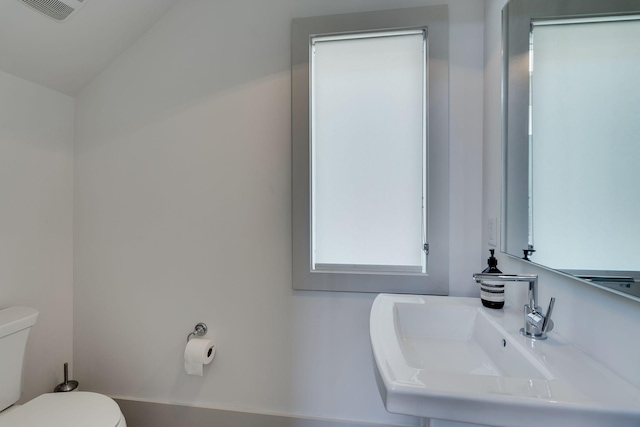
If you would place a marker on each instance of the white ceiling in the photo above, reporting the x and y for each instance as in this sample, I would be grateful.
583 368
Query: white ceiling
65 56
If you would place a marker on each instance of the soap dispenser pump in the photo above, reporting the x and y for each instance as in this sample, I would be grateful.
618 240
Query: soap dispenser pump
492 291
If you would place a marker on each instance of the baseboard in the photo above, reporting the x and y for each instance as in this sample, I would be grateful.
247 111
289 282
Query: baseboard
149 414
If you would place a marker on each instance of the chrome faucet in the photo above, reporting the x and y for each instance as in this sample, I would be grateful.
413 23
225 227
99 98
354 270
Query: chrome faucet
536 324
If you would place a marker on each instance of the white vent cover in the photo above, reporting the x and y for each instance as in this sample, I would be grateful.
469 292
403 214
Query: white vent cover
60 10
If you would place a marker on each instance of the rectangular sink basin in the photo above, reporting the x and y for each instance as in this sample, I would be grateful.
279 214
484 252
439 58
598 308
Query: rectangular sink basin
452 359
458 339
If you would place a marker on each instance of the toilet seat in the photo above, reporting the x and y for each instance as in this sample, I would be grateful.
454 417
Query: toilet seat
75 409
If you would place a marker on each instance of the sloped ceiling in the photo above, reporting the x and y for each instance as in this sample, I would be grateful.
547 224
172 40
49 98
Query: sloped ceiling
65 56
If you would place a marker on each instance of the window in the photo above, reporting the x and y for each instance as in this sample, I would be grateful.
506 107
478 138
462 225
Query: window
367 153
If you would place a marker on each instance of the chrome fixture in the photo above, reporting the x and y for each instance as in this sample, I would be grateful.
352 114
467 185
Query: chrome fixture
67 385
199 331
536 324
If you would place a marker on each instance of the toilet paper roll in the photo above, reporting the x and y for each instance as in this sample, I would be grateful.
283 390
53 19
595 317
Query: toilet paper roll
199 352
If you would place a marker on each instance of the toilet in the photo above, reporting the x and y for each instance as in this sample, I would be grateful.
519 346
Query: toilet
73 409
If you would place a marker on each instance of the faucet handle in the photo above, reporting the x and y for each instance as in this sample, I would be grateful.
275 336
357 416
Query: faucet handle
536 324
547 325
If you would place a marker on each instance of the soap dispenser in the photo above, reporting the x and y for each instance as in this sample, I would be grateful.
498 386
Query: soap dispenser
492 291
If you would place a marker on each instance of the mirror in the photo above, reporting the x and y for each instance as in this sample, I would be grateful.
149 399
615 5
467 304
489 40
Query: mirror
571 149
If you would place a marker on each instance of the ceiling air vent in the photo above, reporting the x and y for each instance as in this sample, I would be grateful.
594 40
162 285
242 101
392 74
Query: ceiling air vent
60 10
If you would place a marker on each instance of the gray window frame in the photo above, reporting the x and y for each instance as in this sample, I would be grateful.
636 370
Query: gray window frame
435 282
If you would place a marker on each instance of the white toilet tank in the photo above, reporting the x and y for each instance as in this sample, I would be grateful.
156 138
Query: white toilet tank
15 323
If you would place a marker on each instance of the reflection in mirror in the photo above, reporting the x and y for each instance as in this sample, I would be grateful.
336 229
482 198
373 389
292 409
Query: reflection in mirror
572 100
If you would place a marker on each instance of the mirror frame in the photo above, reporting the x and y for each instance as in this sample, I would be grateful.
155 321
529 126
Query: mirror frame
517 16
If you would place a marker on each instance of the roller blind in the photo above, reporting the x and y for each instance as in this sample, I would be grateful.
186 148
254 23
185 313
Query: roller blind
369 152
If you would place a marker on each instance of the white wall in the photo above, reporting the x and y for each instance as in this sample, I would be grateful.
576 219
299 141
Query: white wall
603 324
182 215
36 219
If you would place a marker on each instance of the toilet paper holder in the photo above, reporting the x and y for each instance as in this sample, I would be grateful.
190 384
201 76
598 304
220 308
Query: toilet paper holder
199 331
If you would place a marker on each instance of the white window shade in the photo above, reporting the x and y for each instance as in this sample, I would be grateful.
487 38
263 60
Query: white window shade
368 152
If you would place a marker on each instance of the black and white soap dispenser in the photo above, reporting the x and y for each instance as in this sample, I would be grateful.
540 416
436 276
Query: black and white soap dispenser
492 291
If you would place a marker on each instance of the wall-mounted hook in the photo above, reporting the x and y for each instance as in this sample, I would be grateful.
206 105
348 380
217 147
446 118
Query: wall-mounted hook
199 331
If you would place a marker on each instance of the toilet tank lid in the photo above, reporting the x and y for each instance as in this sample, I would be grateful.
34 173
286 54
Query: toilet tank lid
15 319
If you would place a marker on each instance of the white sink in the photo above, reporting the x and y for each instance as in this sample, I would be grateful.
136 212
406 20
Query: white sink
452 359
